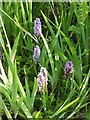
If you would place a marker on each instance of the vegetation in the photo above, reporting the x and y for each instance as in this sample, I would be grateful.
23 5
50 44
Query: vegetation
64 37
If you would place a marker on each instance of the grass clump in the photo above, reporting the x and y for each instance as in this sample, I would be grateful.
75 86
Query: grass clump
44 70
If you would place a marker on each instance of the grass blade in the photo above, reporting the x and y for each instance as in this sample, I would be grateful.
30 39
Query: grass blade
5 34
14 49
5 109
33 94
64 108
5 80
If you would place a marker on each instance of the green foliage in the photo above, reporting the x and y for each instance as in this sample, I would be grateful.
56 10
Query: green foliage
65 36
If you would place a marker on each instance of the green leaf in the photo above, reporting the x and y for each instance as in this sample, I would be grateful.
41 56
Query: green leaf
5 109
14 90
5 34
33 94
3 76
18 25
49 26
14 49
26 111
64 108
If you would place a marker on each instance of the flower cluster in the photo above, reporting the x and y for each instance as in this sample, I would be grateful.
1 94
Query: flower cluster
37 27
42 79
68 69
36 54
42 76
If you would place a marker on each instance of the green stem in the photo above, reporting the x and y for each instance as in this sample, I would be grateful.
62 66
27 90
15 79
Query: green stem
44 101
50 57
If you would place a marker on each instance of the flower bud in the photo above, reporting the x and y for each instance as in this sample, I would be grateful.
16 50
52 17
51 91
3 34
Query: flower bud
68 68
42 79
36 54
37 27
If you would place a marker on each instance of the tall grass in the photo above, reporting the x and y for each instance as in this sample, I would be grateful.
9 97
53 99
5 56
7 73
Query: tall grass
65 36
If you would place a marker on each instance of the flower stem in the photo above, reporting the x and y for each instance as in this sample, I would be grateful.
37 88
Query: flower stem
44 102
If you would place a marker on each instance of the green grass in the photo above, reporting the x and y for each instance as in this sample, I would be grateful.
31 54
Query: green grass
65 36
